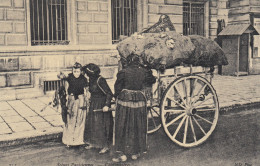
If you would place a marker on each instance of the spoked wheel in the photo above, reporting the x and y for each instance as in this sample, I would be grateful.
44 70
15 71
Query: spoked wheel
189 110
154 120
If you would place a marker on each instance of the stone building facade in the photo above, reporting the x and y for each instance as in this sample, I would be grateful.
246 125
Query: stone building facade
248 12
29 57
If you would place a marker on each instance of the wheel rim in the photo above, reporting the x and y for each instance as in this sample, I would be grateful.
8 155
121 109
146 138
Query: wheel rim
192 110
154 121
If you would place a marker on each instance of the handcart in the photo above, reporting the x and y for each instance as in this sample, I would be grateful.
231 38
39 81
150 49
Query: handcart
185 103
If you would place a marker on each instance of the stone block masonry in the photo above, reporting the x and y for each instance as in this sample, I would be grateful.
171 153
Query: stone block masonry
15 14
5 3
2 14
218 10
92 22
214 9
13 23
24 66
173 8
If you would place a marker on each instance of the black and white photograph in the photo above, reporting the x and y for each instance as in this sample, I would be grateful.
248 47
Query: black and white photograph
129 82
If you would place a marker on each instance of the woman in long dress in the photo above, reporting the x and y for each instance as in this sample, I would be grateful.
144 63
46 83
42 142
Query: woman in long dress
73 132
99 124
131 113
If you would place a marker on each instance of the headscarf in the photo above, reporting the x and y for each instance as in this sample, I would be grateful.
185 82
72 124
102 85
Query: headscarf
92 70
77 66
133 59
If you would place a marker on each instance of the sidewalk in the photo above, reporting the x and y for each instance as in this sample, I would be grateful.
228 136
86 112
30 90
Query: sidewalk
22 121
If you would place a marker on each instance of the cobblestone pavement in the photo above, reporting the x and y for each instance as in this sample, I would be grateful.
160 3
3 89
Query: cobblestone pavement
237 90
23 119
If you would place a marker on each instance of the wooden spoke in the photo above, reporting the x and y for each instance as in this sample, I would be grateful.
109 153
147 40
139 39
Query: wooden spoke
209 106
182 98
155 111
203 119
193 87
177 101
154 122
186 130
199 125
172 99
201 89
174 111
206 109
174 120
192 129
201 102
179 126
186 90
153 118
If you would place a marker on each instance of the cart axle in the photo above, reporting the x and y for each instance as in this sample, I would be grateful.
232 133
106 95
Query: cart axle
191 111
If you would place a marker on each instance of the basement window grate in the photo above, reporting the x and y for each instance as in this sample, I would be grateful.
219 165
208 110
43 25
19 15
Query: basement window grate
53 85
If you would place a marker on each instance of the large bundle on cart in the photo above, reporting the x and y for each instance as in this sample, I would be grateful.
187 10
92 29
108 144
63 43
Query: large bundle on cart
207 53
168 48
156 49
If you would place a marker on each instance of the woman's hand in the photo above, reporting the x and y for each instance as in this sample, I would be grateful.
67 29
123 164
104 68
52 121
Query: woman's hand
105 109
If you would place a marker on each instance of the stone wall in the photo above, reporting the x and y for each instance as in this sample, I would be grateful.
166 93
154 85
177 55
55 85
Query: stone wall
23 67
218 9
214 10
16 69
240 10
92 19
32 68
12 23
173 8
255 66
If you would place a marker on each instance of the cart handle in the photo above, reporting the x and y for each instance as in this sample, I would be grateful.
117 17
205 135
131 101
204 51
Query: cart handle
101 110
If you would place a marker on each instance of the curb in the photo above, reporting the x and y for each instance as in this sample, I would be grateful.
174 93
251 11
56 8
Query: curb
58 135
239 107
22 141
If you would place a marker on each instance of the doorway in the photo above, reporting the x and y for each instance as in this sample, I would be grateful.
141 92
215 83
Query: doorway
243 53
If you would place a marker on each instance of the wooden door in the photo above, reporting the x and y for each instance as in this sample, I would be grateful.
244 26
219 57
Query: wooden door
243 53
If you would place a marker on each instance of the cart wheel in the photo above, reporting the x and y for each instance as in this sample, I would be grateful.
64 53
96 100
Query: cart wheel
189 110
154 121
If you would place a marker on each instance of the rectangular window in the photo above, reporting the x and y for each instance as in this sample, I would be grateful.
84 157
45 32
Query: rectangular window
48 22
124 18
193 18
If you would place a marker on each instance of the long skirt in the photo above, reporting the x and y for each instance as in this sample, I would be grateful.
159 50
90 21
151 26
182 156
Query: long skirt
99 125
131 123
73 131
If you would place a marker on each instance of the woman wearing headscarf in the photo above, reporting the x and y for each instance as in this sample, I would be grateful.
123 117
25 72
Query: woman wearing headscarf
75 84
99 124
131 113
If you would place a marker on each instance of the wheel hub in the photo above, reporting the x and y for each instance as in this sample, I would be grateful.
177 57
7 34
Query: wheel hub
191 111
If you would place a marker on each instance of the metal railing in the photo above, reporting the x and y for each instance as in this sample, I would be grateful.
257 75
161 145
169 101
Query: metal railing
124 18
193 18
52 85
48 22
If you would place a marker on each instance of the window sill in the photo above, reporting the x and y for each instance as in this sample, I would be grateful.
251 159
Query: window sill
54 48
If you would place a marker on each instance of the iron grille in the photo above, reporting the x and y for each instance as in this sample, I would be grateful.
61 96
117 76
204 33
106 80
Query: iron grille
52 85
193 18
48 22
124 18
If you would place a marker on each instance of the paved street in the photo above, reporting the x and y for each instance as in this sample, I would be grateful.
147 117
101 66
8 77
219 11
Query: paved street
237 90
23 119
235 142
